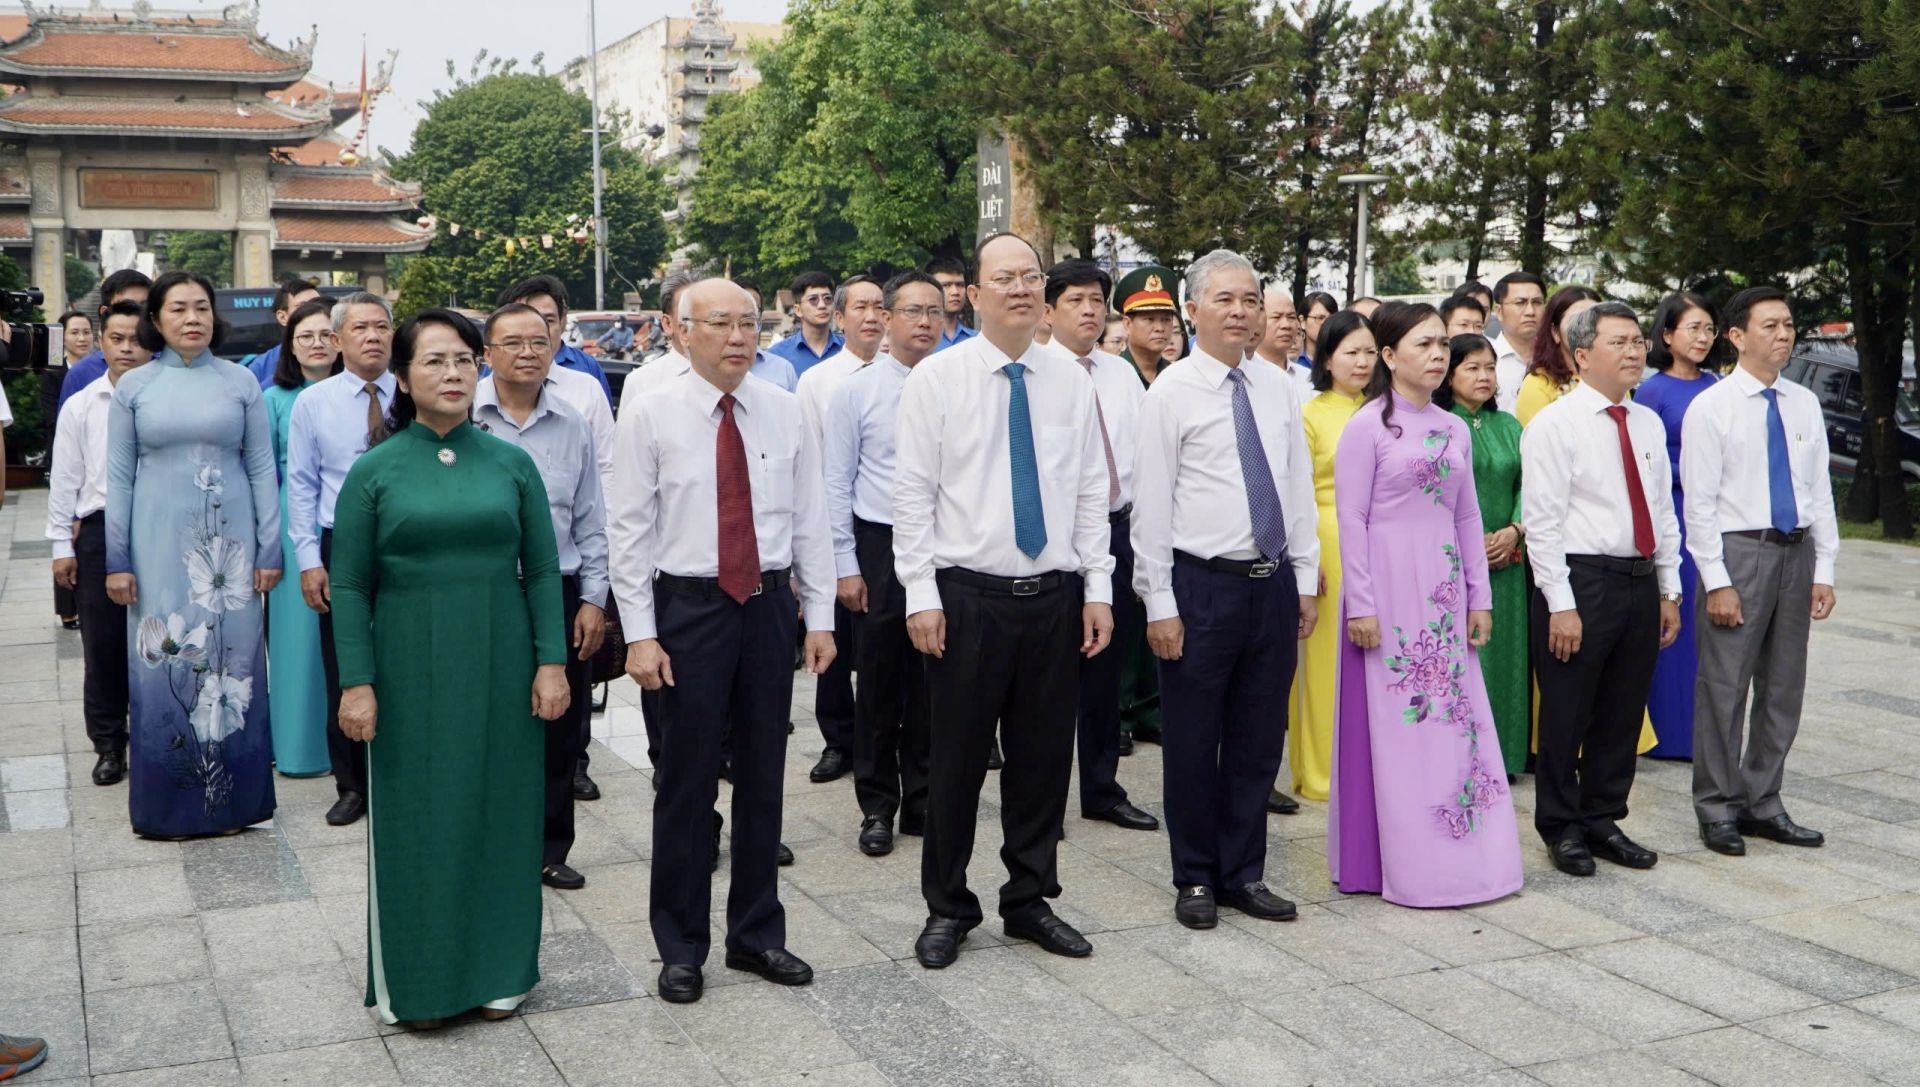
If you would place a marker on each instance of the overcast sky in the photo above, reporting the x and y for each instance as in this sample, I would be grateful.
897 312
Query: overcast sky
428 34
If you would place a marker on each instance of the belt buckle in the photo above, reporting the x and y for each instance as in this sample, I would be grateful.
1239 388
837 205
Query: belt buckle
1642 567
758 587
1026 586
1263 568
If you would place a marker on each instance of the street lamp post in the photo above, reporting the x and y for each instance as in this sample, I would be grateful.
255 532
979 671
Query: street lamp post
1363 272
599 217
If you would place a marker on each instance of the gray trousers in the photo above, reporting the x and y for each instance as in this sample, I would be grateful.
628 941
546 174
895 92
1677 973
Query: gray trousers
1767 654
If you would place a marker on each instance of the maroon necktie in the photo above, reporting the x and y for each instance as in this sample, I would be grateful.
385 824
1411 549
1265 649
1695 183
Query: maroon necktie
1637 498
739 552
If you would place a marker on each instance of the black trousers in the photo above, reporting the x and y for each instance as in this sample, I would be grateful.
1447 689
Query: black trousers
1012 660
731 663
833 702
1100 684
349 757
1592 704
891 709
567 738
103 640
1224 703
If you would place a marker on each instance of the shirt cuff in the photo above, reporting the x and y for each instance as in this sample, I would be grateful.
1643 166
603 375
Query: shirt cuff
63 549
1822 571
1161 605
1307 580
308 556
846 564
924 595
640 628
1099 588
1713 575
595 593
820 617
1669 580
1559 597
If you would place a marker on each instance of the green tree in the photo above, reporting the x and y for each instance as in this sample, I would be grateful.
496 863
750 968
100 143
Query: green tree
204 252
1774 142
423 284
508 156
80 278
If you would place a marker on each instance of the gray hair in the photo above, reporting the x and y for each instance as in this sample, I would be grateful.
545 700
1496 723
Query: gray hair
671 288
1201 272
840 292
358 298
1584 327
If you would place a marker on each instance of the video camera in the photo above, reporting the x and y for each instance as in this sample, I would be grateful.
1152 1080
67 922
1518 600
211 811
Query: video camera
30 345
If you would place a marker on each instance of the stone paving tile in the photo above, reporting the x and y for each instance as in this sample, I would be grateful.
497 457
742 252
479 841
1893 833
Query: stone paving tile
633 1043
1633 1067
1374 1037
149 951
785 1037
1837 1033
155 1027
1236 1046
1489 1018
205 1074
470 1052
30 903
129 894
1792 962
294 1009
910 1035
364 1063
1740 1057
1610 1004
44 962
1696 979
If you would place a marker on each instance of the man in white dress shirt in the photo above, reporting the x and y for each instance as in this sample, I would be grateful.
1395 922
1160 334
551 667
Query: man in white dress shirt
719 524
1227 558
1760 524
858 306
1281 341
890 704
1000 536
1077 293
332 424
1519 298
77 525
1597 503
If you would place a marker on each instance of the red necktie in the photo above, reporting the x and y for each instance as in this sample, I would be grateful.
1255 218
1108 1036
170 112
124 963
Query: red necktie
1637 498
739 551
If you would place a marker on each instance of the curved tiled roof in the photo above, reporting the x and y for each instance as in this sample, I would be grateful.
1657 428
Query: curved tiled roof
156 49
214 117
342 188
296 231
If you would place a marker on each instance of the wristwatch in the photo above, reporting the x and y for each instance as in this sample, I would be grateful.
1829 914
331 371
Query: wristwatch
1672 598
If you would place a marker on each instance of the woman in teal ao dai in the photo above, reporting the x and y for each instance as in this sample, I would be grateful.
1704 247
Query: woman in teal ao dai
193 539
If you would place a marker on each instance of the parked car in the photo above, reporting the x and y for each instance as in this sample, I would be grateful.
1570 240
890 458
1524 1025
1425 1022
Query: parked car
1831 368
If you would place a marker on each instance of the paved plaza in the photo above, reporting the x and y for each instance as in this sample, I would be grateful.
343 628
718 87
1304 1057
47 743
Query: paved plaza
242 959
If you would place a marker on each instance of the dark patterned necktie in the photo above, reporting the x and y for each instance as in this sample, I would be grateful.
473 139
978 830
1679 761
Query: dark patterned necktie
739 551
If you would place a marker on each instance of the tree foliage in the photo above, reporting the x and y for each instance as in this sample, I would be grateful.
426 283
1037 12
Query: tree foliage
203 252
508 157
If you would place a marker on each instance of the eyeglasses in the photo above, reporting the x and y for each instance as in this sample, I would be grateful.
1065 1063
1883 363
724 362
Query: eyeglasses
817 300
1699 328
917 313
439 364
1007 281
311 339
727 325
521 347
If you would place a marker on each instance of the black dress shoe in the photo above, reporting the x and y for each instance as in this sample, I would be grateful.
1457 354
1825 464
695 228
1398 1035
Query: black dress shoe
1125 815
1624 851
562 878
111 768
1781 829
71 624
876 836
832 766
1280 803
1195 909
1255 900
680 983
1126 744
1572 856
1723 837
939 942
783 857
347 810
584 788
994 759
1054 936
776 964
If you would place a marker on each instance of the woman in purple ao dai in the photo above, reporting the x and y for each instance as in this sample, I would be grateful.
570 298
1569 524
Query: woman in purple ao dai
1420 809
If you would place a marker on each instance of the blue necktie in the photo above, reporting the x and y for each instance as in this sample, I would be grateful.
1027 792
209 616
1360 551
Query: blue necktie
1029 522
1263 498
1786 512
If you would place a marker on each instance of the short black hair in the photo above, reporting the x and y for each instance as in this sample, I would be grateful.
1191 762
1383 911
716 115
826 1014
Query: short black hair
287 372
532 286
283 297
1500 285
70 315
1667 319
122 280
1318 298
891 291
973 272
1472 287
807 281
508 310
149 332
1076 272
1461 301
952 266
1338 326
1459 349
1740 306
126 307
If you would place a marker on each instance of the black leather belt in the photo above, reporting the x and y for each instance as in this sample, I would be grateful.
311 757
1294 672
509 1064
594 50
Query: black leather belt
861 524
96 515
1772 535
1629 567
1120 514
710 586
1012 586
1236 567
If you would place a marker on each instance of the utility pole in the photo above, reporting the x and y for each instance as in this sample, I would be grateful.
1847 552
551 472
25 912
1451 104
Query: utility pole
1363 273
599 216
